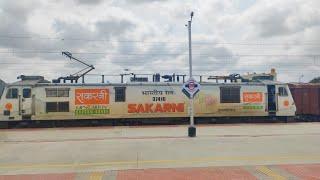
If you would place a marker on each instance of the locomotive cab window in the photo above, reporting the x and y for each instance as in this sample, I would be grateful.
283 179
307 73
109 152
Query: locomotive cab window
283 91
12 93
57 107
230 94
26 93
120 94
1 92
2 87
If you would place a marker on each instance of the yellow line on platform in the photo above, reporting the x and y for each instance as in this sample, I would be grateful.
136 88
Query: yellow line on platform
259 159
96 176
265 170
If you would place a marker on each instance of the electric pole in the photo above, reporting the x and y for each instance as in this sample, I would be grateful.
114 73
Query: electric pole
192 128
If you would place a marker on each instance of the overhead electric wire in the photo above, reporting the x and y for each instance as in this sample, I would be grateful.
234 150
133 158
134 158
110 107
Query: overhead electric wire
165 54
237 57
166 63
185 68
195 42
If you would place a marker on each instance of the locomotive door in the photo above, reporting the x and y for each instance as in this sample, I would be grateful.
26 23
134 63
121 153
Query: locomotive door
26 102
272 104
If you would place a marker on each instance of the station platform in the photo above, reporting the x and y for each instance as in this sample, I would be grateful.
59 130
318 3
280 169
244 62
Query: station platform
279 172
241 151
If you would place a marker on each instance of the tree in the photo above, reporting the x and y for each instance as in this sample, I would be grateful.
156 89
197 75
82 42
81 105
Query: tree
315 80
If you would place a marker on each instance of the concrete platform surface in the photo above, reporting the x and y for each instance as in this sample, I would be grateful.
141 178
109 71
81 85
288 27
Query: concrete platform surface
245 150
278 172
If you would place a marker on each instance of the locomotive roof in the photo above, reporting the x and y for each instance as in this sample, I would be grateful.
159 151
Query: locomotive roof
47 83
29 82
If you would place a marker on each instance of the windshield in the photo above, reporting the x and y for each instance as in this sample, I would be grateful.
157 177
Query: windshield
2 86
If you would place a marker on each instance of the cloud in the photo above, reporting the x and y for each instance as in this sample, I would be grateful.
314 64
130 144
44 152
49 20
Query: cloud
137 2
150 36
13 18
114 27
89 2
279 18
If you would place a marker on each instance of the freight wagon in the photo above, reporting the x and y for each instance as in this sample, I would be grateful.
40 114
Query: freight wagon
307 100
35 99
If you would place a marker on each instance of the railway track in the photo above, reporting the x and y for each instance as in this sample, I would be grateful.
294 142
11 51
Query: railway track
148 121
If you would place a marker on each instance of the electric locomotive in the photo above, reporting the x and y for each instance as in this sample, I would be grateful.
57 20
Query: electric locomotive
33 98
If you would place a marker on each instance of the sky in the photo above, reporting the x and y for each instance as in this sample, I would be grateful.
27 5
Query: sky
150 36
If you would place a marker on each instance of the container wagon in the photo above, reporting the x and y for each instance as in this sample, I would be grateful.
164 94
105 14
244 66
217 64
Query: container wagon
307 99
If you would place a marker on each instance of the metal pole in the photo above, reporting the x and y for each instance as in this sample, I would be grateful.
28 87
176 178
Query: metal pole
190 73
192 128
190 49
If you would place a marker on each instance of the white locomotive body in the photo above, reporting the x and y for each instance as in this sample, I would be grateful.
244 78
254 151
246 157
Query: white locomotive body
38 99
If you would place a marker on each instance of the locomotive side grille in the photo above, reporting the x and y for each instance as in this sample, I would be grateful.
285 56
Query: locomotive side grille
230 94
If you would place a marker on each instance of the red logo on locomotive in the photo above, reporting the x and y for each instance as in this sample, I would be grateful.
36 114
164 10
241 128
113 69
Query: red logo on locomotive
91 96
252 97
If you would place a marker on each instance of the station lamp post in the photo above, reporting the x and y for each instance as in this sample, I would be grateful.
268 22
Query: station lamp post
191 87
192 128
